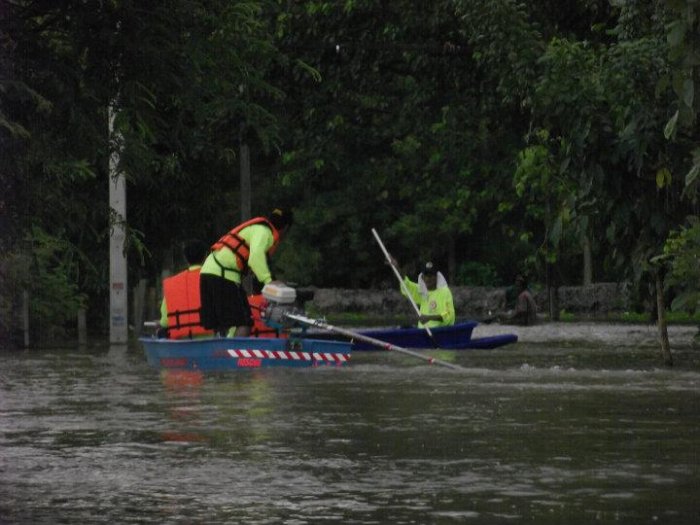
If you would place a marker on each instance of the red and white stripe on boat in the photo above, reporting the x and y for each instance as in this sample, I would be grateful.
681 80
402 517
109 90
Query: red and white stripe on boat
288 355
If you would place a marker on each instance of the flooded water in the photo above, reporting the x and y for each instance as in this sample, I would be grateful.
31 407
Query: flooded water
533 433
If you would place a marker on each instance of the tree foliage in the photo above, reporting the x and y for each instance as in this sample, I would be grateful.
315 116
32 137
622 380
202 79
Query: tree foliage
186 78
488 136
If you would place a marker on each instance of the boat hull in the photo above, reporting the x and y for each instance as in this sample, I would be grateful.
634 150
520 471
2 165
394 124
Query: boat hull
231 353
487 343
455 337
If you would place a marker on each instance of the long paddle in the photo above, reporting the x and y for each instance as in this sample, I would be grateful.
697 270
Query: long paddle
403 285
371 340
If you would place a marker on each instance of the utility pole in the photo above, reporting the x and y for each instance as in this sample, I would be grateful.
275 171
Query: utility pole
118 285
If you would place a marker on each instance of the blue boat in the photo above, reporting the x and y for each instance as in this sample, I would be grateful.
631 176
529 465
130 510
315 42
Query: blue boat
455 337
230 353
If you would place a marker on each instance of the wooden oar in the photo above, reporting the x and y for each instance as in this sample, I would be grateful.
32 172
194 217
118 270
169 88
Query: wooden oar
407 293
371 340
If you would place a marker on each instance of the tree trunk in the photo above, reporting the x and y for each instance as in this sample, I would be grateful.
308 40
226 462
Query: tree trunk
554 303
587 262
246 184
451 261
139 299
25 317
661 322
82 327
246 192
152 304
552 293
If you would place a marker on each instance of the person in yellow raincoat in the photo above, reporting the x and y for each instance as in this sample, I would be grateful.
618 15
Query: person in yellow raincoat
432 296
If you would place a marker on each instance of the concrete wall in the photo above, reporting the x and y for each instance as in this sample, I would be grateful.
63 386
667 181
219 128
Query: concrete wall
471 302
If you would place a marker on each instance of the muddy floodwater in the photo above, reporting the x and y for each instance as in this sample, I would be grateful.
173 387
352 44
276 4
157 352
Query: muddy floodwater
537 432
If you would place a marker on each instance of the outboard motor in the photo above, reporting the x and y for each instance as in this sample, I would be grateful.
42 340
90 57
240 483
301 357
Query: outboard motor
281 301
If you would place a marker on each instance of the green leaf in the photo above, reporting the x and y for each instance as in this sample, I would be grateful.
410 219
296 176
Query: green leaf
663 178
692 174
313 72
688 92
676 34
670 128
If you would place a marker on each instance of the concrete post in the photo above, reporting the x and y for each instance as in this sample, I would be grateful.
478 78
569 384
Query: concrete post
118 285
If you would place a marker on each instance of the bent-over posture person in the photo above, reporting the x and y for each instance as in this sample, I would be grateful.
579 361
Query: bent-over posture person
225 307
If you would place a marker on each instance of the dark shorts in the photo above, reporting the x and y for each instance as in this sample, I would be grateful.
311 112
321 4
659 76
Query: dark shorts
224 304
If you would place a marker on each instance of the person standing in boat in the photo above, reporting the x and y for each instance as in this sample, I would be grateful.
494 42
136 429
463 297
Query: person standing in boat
432 296
225 307
180 308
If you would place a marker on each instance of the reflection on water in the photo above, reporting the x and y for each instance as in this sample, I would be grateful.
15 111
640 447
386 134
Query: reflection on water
531 433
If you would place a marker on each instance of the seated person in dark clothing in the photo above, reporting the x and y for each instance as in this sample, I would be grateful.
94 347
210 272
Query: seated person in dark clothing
525 312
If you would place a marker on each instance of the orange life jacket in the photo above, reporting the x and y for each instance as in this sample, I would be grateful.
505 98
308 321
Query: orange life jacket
238 245
181 294
258 303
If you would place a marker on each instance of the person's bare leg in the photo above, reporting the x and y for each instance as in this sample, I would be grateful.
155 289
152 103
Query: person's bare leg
242 331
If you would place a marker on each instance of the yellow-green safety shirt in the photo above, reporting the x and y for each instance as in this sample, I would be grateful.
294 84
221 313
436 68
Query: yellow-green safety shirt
438 302
259 239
